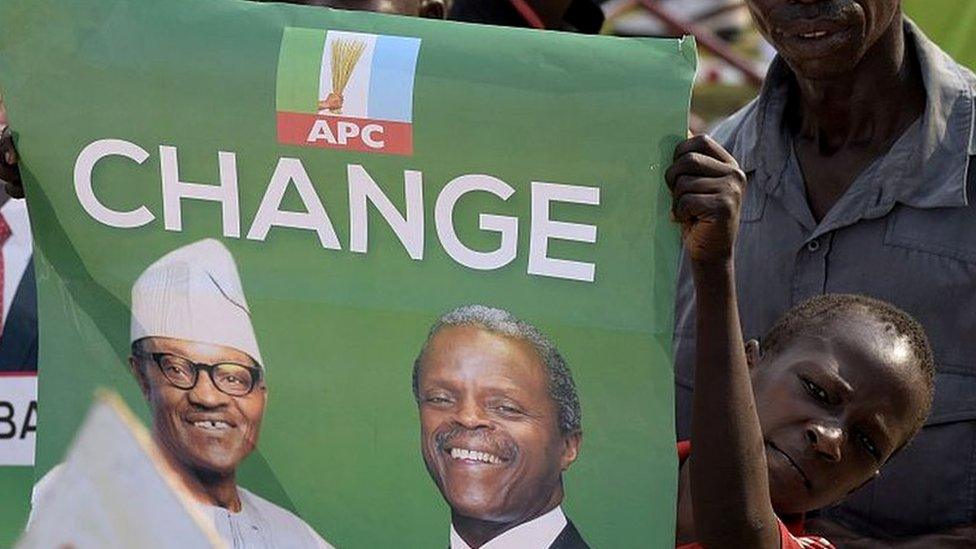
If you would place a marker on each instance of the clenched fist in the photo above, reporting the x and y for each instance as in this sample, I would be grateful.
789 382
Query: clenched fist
706 194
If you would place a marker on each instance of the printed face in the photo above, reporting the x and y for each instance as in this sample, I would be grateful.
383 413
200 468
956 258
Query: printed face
833 406
202 428
489 429
824 39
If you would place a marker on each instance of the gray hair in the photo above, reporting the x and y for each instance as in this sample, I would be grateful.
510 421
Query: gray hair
562 389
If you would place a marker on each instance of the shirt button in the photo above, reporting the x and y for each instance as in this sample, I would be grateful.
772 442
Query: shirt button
813 246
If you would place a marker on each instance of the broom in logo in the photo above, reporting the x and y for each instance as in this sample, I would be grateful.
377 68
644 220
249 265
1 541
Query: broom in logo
345 55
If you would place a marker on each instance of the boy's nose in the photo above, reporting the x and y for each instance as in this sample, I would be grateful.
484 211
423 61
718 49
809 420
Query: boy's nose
826 440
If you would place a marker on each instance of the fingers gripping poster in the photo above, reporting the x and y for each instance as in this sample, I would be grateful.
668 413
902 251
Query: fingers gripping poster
369 281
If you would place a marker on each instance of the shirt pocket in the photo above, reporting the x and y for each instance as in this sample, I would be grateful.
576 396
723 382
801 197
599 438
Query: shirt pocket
945 232
934 253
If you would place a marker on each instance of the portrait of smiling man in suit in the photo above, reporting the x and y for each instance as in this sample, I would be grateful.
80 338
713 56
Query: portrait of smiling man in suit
500 423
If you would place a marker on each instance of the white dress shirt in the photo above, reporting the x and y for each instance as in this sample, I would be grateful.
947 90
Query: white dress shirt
16 250
538 533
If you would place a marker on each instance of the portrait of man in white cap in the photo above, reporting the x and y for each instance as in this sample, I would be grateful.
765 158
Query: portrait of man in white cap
197 361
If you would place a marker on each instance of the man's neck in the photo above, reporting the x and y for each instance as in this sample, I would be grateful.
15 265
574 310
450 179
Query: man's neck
477 532
218 490
867 107
205 487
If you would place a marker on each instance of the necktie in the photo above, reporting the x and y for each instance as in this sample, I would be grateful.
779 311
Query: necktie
4 235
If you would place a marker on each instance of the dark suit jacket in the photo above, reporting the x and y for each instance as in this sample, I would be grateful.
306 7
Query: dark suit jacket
18 346
569 538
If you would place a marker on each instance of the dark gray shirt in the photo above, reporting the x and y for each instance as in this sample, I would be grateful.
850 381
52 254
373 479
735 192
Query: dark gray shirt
904 232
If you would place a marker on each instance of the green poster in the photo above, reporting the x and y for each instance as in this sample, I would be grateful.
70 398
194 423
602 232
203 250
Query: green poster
15 484
248 218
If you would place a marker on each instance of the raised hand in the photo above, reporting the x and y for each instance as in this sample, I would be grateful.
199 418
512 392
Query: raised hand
706 189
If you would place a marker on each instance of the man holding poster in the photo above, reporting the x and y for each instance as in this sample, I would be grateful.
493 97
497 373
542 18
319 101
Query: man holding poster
855 191
500 423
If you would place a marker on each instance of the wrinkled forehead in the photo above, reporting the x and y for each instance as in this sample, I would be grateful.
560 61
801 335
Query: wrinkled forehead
470 353
870 358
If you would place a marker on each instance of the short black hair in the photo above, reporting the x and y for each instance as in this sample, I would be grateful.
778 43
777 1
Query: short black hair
822 309
562 388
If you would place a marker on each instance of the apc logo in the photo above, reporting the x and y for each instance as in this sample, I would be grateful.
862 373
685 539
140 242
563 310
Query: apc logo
346 90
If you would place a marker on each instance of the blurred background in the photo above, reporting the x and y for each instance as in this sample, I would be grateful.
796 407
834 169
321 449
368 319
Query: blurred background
734 57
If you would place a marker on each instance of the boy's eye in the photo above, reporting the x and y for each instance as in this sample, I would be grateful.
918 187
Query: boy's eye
816 391
868 445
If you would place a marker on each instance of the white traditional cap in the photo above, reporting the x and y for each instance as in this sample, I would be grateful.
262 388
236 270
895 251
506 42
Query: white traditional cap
194 293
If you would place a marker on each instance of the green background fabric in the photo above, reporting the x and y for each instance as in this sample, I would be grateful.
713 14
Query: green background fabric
15 485
950 23
339 330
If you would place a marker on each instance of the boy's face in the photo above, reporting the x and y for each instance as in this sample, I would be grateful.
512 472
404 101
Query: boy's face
834 404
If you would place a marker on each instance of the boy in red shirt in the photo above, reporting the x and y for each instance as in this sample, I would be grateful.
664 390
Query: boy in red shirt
838 386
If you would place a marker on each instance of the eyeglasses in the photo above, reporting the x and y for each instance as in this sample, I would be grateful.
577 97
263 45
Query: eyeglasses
228 377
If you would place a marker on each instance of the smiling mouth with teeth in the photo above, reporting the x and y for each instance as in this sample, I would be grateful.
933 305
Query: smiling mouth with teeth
474 455
815 34
212 425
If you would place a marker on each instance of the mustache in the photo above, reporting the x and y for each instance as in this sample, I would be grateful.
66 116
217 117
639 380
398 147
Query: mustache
830 10
460 437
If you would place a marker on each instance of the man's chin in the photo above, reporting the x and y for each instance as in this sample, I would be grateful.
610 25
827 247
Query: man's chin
787 500
217 463
474 504
824 69
476 510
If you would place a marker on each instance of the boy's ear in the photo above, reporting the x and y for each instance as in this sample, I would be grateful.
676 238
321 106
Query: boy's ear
753 353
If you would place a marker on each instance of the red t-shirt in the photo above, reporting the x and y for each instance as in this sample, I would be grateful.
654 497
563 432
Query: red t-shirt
791 534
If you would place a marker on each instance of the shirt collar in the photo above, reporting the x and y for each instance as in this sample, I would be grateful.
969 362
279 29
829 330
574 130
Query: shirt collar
938 175
15 213
539 532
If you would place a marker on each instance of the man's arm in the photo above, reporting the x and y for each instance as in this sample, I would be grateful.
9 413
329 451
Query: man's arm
729 483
